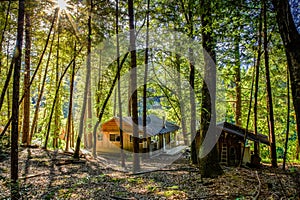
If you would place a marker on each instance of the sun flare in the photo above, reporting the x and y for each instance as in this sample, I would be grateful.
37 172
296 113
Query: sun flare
62 4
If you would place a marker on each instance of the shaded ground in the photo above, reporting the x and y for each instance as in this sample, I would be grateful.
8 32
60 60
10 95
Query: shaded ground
48 175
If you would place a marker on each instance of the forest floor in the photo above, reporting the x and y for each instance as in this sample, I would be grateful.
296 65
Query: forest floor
53 175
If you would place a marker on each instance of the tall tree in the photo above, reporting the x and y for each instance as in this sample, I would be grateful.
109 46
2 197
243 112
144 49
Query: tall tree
133 88
69 120
188 9
57 97
90 137
257 70
86 89
269 91
26 107
146 62
291 42
209 164
238 88
15 103
287 121
119 86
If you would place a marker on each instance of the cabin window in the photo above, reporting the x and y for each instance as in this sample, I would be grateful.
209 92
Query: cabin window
100 137
114 138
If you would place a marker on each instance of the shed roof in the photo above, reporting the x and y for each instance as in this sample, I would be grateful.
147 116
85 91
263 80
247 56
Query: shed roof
239 131
155 125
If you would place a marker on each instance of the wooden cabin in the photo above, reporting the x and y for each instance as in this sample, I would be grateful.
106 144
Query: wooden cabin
160 134
230 144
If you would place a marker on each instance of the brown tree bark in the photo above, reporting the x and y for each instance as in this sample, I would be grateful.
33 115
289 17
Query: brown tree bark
26 107
15 104
195 137
57 102
86 90
146 140
209 164
256 88
238 88
291 40
287 121
119 87
133 88
90 135
269 91
69 120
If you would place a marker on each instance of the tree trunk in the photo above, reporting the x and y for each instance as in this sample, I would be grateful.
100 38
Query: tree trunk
291 41
269 92
209 164
72 133
259 52
26 114
99 85
145 138
90 135
57 102
195 137
8 95
129 110
238 88
133 89
287 121
68 132
248 118
119 87
87 85
15 104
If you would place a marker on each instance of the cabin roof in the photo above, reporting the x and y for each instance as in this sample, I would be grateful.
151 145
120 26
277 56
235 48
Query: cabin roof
155 125
239 131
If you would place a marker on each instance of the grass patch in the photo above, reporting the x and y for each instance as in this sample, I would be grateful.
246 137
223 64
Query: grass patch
135 180
169 193
151 188
174 187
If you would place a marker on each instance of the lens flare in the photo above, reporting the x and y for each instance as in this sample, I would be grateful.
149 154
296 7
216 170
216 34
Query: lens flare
62 4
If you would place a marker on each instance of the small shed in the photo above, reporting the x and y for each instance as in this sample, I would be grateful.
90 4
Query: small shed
231 142
159 134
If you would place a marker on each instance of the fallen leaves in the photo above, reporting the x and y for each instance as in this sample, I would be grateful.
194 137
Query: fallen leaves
53 175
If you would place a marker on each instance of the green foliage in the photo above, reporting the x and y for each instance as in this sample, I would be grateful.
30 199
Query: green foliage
233 22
